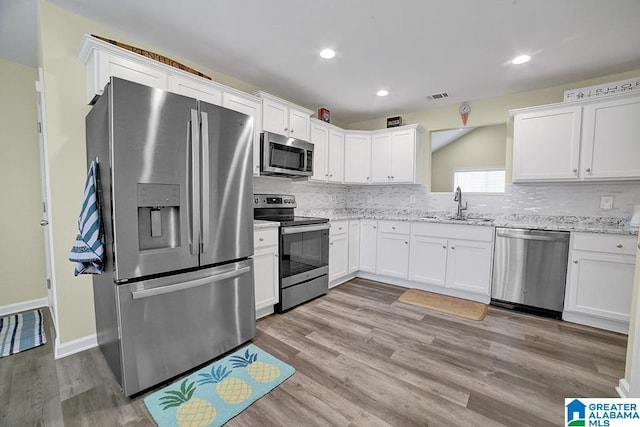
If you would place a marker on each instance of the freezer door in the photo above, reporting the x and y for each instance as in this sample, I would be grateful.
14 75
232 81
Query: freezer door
227 184
155 166
176 323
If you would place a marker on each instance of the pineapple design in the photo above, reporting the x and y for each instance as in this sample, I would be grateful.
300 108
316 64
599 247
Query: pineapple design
259 371
231 390
191 412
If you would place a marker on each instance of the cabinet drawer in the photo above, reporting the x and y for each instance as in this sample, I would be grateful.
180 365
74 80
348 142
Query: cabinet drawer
339 227
265 237
453 231
609 243
396 227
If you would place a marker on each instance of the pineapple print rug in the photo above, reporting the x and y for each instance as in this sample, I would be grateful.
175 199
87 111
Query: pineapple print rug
216 393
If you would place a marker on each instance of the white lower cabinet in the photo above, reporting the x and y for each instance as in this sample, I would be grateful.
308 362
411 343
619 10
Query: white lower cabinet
265 270
600 280
393 249
338 250
368 245
354 246
428 260
456 257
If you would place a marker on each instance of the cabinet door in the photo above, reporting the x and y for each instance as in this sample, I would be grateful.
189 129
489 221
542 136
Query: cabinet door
320 141
265 263
357 159
610 145
129 70
336 156
381 158
469 266
393 255
275 117
253 108
546 145
600 284
338 256
354 246
207 92
428 260
368 245
298 124
403 156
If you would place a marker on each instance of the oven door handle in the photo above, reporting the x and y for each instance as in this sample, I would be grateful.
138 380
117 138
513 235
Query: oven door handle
304 228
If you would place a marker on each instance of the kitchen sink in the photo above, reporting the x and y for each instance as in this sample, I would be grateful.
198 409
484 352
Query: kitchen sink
469 218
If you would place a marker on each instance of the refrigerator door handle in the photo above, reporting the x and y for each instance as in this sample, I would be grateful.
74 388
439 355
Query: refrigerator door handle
206 220
195 182
145 293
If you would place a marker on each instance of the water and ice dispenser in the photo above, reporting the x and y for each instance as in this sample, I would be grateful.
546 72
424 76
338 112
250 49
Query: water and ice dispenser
158 216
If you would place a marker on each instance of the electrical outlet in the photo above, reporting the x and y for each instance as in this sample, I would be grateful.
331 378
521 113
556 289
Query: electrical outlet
412 199
606 202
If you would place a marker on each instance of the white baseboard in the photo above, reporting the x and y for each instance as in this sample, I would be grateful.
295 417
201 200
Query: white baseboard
623 389
596 322
264 311
75 346
23 306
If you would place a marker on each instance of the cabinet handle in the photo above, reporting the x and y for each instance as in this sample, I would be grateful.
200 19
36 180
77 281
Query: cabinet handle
453 247
589 170
275 255
391 176
326 175
575 171
331 244
406 243
444 246
393 228
291 131
286 129
575 261
330 175
261 239
619 245
367 178
339 228
374 227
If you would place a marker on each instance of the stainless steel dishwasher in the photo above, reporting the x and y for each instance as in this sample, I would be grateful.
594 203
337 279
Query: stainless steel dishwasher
530 270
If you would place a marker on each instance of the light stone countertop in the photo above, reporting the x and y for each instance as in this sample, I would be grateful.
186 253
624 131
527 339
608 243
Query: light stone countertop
539 222
258 224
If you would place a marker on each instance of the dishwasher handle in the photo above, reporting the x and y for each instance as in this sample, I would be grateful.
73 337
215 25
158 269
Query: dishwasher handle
524 234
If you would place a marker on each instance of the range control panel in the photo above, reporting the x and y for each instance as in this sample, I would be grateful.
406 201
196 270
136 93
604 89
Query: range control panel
274 201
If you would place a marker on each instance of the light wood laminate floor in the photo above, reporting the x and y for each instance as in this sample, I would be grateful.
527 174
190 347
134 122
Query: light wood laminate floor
362 359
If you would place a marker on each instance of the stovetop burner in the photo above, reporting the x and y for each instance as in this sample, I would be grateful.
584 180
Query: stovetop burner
276 207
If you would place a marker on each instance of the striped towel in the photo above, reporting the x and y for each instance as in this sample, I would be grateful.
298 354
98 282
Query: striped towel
22 331
88 250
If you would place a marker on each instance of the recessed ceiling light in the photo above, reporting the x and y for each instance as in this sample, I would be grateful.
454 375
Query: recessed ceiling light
520 59
382 92
327 53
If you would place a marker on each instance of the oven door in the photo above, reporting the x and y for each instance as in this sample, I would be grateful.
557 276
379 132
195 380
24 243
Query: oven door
304 253
285 156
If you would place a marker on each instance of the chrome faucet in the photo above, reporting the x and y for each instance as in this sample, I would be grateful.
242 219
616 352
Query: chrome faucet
458 198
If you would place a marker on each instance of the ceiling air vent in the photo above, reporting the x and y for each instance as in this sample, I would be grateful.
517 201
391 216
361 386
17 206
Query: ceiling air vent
437 96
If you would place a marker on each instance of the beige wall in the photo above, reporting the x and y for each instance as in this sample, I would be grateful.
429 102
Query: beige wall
65 93
483 147
22 261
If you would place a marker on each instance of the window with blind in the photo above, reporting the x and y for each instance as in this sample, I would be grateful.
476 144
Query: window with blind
479 180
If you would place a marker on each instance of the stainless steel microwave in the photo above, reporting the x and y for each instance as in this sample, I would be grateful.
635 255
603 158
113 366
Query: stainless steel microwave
284 156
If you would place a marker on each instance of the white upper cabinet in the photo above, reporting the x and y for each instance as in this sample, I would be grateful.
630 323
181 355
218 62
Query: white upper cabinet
357 158
396 155
251 106
546 144
336 156
611 139
320 140
328 152
195 88
594 140
284 118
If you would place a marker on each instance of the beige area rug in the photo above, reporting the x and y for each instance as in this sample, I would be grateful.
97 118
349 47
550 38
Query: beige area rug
446 304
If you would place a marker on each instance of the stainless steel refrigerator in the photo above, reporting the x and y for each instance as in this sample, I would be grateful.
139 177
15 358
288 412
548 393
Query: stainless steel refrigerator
176 201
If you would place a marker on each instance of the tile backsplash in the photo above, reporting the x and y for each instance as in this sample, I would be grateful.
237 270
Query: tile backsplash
532 199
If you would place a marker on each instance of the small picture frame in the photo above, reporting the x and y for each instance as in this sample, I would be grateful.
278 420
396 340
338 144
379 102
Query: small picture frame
393 122
324 115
